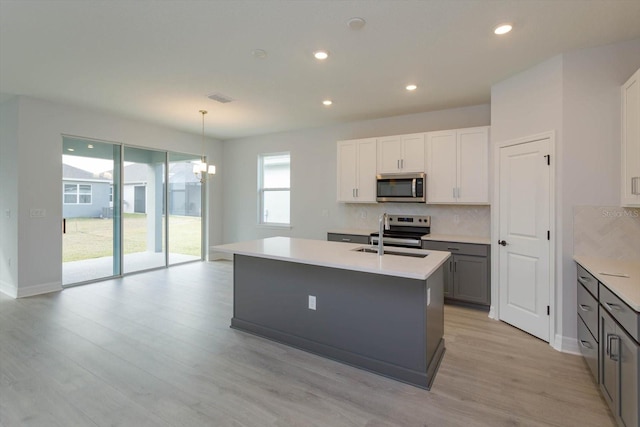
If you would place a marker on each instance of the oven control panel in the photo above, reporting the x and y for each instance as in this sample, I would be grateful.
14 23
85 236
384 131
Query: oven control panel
410 220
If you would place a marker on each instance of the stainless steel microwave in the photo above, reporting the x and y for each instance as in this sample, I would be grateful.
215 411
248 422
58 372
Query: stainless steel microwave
401 187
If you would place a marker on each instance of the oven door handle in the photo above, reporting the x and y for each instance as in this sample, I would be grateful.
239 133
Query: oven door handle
413 187
410 243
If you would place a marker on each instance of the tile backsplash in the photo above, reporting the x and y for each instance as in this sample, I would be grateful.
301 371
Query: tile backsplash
606 231
445 219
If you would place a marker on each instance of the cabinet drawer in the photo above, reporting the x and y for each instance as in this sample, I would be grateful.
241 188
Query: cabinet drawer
347 238
456 248
588 310
588 348
628 319
588 281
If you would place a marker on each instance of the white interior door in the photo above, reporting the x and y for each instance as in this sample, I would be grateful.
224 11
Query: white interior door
524 224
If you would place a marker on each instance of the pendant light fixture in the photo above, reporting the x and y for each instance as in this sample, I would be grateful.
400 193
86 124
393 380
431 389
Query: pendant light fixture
201 169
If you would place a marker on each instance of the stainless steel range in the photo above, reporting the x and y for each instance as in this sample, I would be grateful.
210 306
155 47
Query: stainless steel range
404 231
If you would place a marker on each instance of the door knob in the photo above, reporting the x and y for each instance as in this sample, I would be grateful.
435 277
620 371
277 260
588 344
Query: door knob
502 242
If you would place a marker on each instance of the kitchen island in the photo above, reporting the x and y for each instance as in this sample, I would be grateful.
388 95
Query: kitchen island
379 313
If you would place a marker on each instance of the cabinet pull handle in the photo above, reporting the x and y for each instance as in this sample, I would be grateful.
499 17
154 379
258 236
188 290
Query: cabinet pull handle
585 307
357 192
402 163
454 192
583 279
611 306
455 266
610 339
346 240
634 185
586 344
453 249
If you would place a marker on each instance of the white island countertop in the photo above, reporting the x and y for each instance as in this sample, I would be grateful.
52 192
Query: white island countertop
340 255
626 288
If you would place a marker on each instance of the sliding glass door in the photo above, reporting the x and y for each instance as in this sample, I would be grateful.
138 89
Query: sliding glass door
116 200
185 209
143 220
90 185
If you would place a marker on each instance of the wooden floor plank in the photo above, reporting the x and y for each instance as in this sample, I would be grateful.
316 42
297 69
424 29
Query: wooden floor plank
156 349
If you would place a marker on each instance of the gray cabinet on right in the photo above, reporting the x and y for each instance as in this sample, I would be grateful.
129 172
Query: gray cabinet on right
466 273
619 362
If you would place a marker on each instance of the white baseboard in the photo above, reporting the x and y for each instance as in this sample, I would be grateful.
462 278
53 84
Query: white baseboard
217 256
8 289
566 345
43 288
492 313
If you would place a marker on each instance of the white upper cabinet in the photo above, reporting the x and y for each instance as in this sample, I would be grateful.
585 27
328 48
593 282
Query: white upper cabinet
401 153
357 171
631 141
458 166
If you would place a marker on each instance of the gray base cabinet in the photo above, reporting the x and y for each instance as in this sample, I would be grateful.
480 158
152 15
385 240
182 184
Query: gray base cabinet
608 336
588 318
619 367
348 238
466 272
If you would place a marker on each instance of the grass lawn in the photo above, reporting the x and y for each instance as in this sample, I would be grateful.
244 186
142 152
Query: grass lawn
88 238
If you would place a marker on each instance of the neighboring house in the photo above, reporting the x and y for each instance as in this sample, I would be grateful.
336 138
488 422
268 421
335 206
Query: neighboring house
85 194
90 195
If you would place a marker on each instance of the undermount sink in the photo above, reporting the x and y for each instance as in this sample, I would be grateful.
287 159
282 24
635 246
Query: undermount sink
388 252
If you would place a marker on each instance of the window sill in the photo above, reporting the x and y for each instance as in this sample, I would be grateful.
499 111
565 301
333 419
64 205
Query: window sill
276 226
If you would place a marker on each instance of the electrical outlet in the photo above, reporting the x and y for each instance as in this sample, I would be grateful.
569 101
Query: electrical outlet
312 302
37 213
428 296
363 214
456 219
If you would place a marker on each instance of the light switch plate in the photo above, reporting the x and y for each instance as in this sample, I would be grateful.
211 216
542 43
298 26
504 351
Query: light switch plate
312 302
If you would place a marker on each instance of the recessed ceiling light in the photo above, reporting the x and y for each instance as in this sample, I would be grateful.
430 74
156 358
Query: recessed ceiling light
259 53
70 149
90 146
411 87
503 29
327 102
321 54
356 23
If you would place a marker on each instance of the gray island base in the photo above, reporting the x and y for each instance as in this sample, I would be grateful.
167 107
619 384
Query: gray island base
389 325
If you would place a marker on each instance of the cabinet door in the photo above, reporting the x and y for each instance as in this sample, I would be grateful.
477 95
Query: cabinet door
366 187
441 167
390 154
629 370
448 279
470 282
473 166
413 153
608 363
347 170
631 141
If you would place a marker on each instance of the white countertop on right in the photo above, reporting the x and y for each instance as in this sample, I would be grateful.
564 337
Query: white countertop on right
460 239
626 288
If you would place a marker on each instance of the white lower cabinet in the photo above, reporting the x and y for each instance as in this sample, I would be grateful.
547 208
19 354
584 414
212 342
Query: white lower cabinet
357 171
458 166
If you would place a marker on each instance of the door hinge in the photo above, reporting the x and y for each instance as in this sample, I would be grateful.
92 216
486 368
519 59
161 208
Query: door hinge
548 311
548 156
548 234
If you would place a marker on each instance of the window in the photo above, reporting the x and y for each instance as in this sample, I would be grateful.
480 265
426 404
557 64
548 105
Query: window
274 188
77 194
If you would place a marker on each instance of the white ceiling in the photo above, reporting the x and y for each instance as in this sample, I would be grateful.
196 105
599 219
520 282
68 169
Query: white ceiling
157 60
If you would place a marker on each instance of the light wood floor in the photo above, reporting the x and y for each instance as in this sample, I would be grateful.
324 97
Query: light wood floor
155 349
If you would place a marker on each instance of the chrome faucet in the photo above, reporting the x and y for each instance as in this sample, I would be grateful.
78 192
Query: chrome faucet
383 223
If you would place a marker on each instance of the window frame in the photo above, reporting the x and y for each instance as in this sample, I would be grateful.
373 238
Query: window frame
262 190
77 194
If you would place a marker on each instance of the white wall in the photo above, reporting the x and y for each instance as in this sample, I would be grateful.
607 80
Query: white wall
577 95
41 125
8 195
314 209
